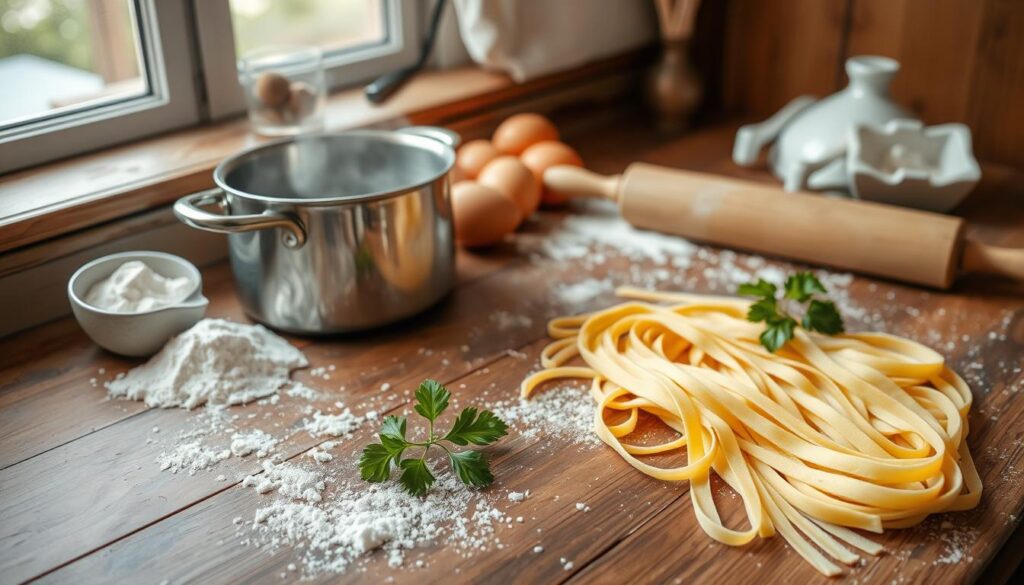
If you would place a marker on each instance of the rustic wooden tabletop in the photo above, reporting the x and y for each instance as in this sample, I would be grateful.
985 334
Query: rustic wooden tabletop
82 498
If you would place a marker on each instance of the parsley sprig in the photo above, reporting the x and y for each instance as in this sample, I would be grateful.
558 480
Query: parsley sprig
820 315
471 427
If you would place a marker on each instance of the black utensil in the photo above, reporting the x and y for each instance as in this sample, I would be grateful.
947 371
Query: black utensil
386 85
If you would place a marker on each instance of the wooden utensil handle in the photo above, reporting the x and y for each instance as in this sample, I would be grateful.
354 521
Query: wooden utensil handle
986 259
893 242
577 182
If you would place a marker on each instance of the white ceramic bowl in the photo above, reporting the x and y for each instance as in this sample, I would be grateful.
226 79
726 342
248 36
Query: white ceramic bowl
907 163
143 333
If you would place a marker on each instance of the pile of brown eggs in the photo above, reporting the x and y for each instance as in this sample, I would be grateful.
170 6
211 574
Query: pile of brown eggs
282 101
499 182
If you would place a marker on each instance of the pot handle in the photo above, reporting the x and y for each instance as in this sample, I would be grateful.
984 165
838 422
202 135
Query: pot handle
187 209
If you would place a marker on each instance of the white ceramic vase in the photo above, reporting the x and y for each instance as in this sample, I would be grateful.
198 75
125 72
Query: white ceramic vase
809 134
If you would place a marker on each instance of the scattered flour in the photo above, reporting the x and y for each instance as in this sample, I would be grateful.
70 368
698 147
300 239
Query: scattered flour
319 455
361 518
583 291
505 320
217 362
191 456
134 287
601 224
518 496
255 441
290 481
565 412
596 238
335 425
301 391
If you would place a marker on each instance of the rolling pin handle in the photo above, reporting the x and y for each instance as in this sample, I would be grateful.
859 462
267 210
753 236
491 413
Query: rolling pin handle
986 259
577 182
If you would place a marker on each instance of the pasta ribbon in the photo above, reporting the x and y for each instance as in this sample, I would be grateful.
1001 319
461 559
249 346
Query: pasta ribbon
859 430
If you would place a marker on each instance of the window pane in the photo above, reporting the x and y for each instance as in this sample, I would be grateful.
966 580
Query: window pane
333 25
61 55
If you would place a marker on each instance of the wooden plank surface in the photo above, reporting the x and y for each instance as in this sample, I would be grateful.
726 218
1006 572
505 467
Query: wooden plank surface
82 499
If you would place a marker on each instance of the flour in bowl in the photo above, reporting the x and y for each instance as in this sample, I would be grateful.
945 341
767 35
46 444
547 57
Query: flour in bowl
136 288
216 362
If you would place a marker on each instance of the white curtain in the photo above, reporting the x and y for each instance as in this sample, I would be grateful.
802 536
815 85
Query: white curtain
531 38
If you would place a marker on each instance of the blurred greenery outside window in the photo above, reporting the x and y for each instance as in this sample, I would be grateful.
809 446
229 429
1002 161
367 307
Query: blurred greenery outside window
62 53
70 65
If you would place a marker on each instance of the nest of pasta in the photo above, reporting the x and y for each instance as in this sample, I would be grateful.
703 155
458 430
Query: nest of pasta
856 431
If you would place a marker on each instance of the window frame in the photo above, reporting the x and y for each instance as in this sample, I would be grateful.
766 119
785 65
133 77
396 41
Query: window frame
170 101
188 50
219 61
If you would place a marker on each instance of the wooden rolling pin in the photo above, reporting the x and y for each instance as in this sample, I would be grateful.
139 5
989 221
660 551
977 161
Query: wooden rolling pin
894 242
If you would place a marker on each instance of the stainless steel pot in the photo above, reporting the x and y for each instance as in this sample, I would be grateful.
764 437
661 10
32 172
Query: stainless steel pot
335 232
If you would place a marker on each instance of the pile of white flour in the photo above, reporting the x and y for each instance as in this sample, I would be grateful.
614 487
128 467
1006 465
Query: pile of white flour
216 362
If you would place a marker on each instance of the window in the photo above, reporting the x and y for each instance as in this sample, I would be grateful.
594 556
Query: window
332 25
360 39
77 75
72 57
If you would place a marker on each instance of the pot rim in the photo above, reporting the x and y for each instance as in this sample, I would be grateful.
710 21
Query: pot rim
414 140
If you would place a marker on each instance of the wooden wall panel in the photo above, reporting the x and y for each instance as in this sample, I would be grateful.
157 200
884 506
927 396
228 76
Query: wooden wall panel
934 42
996 108
778 49
962 60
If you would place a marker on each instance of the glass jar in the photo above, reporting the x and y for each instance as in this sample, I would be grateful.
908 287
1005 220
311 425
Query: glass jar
284 89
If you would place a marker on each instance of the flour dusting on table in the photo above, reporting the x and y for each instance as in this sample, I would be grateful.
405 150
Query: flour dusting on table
563 412
360 518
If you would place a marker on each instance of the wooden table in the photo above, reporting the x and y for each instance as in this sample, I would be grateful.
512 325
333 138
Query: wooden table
82 499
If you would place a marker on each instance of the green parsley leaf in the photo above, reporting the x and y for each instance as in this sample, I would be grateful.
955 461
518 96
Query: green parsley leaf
393 427
375 463
822 316
778 332
762 288
416 477
470 427
431 399
762 310
478 430
802 286
471 467
392 435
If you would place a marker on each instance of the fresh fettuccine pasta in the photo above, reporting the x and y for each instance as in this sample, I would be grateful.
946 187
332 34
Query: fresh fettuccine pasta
861 430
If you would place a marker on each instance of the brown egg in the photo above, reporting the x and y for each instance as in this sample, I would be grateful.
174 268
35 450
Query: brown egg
482 215
544 155
519 132
456 175
510 176
301 100
474 156
273 89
